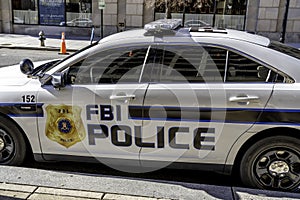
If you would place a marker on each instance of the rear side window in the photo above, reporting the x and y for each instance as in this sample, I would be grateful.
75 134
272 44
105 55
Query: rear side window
198 64
193 64
285 49
242 69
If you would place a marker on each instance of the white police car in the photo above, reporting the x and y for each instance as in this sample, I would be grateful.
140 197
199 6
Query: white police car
194 98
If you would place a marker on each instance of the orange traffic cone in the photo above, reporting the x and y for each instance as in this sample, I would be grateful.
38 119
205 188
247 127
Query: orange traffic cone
63 48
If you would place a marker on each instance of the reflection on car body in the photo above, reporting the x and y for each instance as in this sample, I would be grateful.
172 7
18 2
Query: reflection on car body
199 97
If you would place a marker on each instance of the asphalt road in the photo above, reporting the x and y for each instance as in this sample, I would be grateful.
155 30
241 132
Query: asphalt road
14 56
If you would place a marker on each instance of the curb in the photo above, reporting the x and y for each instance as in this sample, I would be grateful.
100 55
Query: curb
36 48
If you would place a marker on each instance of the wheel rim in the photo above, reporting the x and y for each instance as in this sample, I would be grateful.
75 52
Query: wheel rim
278 168
7 146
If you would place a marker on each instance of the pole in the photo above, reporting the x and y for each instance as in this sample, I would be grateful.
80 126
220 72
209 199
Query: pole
284 23
215 11
183 13
101 23
92 35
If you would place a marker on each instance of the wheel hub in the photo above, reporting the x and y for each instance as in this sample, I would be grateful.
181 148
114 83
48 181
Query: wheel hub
2 144
279 168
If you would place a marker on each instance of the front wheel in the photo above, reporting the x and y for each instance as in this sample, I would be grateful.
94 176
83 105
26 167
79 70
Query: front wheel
272 163
12 143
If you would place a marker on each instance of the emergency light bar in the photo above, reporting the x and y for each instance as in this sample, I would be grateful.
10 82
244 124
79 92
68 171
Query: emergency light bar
163 24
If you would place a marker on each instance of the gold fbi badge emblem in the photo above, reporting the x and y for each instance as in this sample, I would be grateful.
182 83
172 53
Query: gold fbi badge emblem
64 124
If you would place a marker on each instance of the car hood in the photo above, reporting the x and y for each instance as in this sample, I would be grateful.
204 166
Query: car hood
12 75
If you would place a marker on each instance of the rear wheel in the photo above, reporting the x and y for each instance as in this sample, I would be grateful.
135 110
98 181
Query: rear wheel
272 163
12 143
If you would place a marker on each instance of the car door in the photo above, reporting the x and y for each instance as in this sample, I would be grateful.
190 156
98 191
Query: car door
200 100
88 118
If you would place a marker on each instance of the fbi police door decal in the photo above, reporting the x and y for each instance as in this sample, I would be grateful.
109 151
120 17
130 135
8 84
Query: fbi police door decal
64 124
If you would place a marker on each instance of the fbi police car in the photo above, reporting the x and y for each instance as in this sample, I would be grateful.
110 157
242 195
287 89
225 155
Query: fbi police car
194 98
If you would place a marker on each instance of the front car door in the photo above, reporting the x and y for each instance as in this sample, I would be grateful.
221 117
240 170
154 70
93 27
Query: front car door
88 118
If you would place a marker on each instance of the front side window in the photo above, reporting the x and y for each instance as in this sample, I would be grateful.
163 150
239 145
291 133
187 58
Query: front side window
120 65
25 11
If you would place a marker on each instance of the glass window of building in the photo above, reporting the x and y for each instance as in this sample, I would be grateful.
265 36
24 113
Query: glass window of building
79 13
25 11
51 12
220 13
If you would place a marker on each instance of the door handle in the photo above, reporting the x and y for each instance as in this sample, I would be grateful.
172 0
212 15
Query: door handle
122 97
244 99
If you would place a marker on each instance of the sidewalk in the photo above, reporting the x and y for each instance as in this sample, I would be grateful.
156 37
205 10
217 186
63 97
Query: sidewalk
31 42
26 183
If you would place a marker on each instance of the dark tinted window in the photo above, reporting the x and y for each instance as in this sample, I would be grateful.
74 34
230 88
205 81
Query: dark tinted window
242 69
285 49
112 66
188 64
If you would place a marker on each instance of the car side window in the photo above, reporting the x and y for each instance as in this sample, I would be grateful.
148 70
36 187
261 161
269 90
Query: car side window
193 64
243 69
119 65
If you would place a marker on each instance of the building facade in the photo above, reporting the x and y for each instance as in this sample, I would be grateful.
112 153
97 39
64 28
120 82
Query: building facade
77 17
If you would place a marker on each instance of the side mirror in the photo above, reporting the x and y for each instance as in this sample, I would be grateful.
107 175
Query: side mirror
58 80
26 66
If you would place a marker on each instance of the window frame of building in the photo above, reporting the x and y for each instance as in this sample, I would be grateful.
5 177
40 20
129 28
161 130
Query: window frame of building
220 13
25 12
32 12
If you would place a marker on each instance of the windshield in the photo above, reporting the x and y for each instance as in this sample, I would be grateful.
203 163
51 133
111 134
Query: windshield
291 51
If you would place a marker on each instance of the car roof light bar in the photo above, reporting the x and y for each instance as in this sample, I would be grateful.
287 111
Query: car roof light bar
163 24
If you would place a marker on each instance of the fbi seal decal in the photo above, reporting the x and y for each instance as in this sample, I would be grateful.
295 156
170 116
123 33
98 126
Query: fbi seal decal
64 124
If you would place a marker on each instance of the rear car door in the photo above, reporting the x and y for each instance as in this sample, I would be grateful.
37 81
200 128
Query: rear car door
199 101
88 118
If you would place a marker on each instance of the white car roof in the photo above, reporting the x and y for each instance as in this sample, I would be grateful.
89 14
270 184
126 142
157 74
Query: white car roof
132 35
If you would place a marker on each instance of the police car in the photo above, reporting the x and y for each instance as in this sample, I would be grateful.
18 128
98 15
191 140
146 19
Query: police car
163 96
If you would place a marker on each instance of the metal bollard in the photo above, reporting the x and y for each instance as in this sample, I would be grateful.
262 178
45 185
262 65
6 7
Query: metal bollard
42 38
92 34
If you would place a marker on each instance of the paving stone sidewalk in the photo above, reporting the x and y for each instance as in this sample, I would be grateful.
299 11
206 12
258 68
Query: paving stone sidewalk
17 191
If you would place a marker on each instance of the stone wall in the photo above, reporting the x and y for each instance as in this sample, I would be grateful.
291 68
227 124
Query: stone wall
265 17
6 16
134 13
293 24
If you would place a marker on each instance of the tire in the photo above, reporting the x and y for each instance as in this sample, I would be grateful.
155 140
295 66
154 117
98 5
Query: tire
12 143
272 163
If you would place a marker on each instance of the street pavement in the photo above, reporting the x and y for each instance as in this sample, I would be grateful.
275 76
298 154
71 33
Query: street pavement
36 184
53 43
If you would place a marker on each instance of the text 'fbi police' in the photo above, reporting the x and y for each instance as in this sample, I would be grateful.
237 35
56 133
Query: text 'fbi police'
134 135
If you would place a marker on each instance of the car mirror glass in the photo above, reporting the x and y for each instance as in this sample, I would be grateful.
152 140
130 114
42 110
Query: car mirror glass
58 80
26 66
